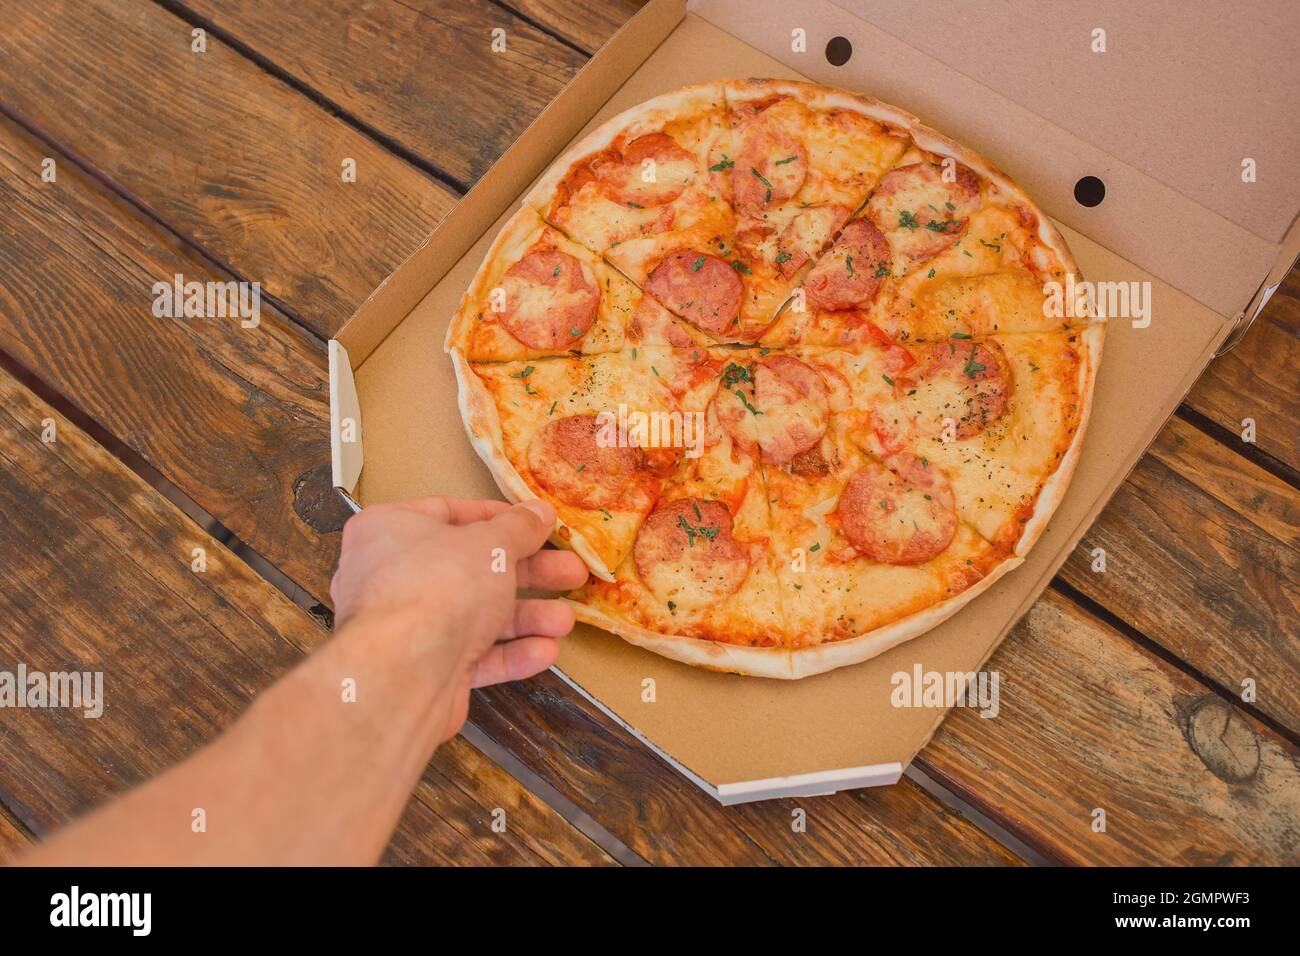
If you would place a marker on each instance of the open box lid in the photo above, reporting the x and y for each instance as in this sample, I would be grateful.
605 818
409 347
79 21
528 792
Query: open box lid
748 738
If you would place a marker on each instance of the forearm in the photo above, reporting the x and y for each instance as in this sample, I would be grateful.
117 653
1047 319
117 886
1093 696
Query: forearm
317 771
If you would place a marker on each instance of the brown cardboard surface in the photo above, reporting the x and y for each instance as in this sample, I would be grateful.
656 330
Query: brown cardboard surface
1217 262
722 727
1183 91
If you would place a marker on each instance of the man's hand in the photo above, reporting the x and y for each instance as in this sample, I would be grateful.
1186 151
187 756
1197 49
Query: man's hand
447 569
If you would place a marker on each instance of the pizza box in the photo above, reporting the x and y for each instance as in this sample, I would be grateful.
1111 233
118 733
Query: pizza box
1185 129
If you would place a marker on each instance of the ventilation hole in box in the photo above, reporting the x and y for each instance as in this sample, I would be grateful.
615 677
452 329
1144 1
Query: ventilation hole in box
838 51
1089 191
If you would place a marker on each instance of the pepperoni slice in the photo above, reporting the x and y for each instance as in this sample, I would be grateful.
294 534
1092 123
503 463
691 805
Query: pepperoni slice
958 381
699 287
807 234
850 275
778 403
770 166
575 460
651 171
904 516
921 212
685 553
551 299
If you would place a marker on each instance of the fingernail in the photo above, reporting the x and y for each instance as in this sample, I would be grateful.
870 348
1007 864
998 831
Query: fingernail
545 513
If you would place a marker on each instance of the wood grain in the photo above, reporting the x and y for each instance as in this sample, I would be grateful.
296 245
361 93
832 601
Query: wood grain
668 820
1257 380
1202 555
585 25
422 73
13 839
223 152
233 416
588 771
70 246
96 575
1088 720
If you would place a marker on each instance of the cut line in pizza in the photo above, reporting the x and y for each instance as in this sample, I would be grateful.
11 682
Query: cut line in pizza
849 309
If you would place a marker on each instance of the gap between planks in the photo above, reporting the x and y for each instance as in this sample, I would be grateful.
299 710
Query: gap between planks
526 778
392 145
270 67
1233 699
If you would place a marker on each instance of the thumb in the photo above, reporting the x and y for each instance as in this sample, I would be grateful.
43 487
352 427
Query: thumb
523 529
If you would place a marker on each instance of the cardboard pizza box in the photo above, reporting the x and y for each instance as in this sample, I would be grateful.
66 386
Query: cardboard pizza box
1183 126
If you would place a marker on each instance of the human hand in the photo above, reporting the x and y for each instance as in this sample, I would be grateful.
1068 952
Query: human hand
447 569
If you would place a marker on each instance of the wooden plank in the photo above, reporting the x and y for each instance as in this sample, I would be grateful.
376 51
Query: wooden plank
1257 379
1109 645
70 246
422 73
667 819
1090 721
13 839
584 24
96 575
236 417
1202 554
222 151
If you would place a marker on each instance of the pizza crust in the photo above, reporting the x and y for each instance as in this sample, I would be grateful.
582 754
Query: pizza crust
1053 490
646 117
520 231
483 424
712 655
780 662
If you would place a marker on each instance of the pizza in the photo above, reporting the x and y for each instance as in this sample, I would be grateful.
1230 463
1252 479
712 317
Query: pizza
792 368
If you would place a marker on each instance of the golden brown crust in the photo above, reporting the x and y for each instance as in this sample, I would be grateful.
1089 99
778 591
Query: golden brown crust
714 655
1053 490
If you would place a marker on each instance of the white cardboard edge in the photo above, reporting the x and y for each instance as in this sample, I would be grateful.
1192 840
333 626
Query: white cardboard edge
818 784
346 458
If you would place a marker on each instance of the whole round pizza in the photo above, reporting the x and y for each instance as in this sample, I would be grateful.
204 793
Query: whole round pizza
796 372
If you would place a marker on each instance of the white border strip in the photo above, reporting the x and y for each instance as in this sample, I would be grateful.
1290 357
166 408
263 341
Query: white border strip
817 784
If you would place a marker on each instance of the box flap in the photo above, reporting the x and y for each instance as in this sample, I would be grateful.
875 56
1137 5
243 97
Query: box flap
1182 92
1214 260
346 454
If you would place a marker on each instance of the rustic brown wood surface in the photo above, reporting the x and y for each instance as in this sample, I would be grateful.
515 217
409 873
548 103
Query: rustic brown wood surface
13 836
231 166
182 651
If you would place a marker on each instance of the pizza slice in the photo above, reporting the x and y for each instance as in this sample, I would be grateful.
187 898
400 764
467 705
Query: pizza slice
999 418
699 584
938 248
795 161
582 432
870 548
538 293
642 174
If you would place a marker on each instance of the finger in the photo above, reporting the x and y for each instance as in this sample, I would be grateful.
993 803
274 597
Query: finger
457 510
540 617
524 528
514 660
550 570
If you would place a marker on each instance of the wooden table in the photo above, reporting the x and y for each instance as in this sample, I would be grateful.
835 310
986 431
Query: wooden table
180 434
